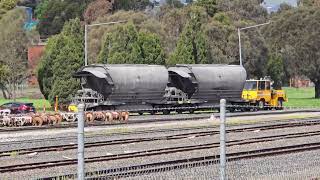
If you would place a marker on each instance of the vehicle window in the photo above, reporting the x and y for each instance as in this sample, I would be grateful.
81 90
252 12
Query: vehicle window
250 85
267 85
262 85
15 105
7 105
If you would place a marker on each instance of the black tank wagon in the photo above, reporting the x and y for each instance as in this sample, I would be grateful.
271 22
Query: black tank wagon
208 82
122 86
154 88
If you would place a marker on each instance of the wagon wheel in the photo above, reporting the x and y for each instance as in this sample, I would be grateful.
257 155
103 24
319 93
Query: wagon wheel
166 112
280 104
261 105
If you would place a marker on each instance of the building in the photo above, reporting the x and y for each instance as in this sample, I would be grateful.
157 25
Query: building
34 55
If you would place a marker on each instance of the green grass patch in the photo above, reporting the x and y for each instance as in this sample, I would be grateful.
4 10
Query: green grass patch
37 103
301 97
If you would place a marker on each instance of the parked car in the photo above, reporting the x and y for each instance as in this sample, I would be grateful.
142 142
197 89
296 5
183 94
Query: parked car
18 107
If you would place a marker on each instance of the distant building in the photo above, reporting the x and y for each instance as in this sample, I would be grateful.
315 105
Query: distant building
300 81
274 5
34 55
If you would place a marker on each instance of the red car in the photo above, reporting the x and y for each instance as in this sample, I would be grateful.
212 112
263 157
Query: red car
19 108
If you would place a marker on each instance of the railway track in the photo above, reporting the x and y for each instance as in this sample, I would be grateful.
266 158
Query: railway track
208 132
141 169
153 152
162 118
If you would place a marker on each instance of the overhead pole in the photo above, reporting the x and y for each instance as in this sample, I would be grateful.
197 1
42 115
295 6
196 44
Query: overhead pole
86 29
239 37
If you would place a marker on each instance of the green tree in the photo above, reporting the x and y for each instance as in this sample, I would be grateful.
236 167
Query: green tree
52 14
13 49
276 70
192 46
149 49
127 45
4 74
63 57
6 5
295 35
174 3
209 5
131 4
118 46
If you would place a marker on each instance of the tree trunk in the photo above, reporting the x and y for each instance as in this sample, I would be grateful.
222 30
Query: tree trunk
4 89
317 89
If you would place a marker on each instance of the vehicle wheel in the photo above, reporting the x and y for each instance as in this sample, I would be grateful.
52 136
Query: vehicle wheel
166 112
179 111
152 112
140 113
191 111
280 104
261 105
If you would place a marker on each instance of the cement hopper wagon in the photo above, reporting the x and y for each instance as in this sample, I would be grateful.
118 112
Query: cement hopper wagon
123 86
207 84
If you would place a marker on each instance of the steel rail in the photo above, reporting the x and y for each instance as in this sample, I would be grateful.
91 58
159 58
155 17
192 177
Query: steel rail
141 169
149 120
63 147
38 165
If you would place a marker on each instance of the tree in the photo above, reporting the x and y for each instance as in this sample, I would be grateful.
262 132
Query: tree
4 74
239 10
209 5
6 5
97 33
53 14
315 3
127 45
97 8
192 46
62 58
149 49
276 70
296 31
174 3
13 54
127 5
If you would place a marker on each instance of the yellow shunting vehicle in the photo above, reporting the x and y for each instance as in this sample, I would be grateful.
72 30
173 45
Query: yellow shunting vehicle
260 93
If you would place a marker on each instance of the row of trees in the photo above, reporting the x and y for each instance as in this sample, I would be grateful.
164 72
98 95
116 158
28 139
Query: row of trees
203 32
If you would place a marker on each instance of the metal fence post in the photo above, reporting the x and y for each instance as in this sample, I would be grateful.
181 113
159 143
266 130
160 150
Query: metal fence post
222 139
81 173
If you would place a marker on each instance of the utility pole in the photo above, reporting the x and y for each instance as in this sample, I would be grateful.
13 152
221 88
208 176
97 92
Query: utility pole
239 36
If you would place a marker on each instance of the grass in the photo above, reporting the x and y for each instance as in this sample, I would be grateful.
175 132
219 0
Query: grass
301 97
37 103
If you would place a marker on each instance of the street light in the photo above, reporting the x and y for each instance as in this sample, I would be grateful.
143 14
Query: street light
239 29
86 28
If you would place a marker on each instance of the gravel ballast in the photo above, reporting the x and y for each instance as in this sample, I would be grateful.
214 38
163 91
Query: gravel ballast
15 158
